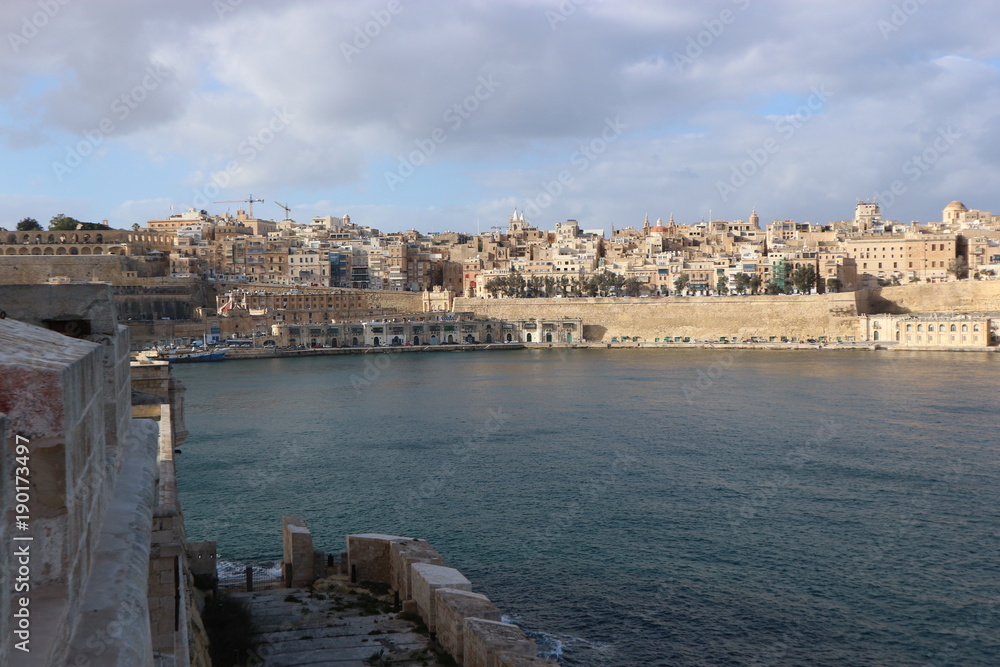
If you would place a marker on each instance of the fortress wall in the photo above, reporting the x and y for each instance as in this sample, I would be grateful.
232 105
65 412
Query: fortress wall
403 302
33 269
795 316
802 316
968 296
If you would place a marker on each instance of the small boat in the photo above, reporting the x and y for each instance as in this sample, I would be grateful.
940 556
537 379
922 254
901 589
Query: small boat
186 354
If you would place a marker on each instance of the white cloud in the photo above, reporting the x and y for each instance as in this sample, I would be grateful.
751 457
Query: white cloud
557 84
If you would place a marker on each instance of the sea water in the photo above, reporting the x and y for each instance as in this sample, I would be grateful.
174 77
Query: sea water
637 507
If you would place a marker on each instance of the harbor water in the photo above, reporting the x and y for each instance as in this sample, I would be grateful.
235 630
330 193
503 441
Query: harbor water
637 507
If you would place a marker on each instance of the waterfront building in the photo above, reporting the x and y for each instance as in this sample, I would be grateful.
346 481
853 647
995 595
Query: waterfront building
938 330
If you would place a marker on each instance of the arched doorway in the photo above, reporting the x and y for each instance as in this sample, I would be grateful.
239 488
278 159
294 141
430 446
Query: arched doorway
489 338
529 338
470 339
376 342
354 341
569 338
416 340
333 342
451 338
548 338
875 335
434 340
509 338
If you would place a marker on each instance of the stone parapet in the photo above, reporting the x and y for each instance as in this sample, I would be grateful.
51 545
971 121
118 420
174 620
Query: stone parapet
426 579
298 553
368 556
402 554
489 642
452 607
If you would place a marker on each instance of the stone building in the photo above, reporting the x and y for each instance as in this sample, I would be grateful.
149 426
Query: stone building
943 330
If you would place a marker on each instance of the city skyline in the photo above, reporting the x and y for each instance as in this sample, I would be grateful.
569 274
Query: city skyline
448 116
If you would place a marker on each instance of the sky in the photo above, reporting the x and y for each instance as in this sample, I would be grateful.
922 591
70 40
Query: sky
448 115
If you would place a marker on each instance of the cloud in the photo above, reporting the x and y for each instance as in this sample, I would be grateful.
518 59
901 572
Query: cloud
701 86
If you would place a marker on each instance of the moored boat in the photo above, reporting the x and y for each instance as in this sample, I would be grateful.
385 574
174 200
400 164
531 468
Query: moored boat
186 354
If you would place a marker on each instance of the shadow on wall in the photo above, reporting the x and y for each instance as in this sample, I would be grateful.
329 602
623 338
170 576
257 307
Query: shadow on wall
594 332
871 302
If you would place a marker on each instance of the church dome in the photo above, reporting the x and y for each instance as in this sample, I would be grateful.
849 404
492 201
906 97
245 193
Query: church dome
956 205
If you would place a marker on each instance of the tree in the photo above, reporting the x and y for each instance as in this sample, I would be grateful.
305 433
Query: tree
755 283
742 282
834 285
60 222
29 225
773 287
681 282
631 286
722 286
804 278
959 268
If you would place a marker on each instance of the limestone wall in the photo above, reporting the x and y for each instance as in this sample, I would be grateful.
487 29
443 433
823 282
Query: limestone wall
90 525
403 302
741 317
106 528
33 270
798 316
967 296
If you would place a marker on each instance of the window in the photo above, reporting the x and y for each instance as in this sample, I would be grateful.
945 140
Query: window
909 327
920 327
965 327
930 327
954 328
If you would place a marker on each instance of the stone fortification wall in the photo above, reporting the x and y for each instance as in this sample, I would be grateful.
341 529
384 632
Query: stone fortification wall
32 270
107 571
968 296
797 316
741 317
403 302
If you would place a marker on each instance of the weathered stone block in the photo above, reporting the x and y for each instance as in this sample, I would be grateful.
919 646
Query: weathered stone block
451 608
402 555
486 641
368 556
426 579
298 550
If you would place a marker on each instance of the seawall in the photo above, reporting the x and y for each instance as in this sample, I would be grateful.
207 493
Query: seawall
795 317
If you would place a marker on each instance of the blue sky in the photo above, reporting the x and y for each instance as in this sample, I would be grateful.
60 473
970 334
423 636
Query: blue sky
441 115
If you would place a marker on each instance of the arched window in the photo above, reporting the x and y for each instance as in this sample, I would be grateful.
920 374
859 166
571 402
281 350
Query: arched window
965 328
975 327
954 328
909 327
930 327
920 327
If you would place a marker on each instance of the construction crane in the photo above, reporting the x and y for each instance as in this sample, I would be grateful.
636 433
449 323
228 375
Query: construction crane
288 210
249 200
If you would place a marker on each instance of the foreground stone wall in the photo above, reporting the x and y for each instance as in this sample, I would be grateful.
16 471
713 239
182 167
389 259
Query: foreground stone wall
105 526
90 493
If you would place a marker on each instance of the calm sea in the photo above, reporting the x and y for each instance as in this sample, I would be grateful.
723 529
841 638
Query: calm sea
634 507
